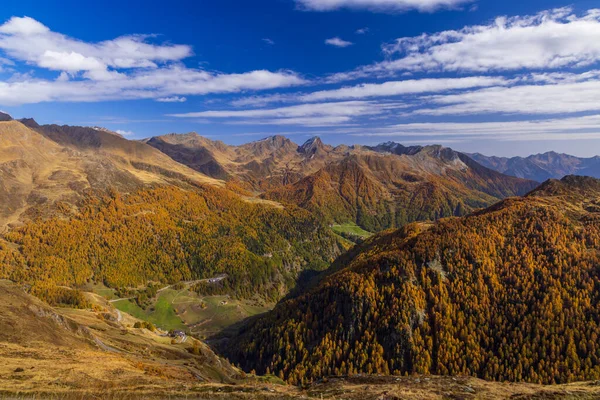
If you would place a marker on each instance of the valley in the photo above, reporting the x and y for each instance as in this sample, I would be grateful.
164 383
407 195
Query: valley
276 270
506 293
300 199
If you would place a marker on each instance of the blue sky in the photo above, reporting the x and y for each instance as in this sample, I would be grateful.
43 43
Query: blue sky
504 78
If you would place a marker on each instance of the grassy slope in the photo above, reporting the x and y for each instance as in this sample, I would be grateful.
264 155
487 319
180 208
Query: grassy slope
163 314
182 309
352 229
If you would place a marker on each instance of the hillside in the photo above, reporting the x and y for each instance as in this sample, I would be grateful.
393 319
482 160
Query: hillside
540 167
42 167
508 293
65 351
168 234
380 189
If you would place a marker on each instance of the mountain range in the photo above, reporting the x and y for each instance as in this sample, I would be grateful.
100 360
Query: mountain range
464 265
541 167
374 187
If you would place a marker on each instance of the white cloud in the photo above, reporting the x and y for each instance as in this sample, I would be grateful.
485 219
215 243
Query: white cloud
23 26
362 31
346 108
127 67
125 133
379 5
172 99
337 42
72 61
303 121
25 39
6 61
549 40
314 114
587 127
385 89
143 84
268 41
394 88
568 97
260 101
563 77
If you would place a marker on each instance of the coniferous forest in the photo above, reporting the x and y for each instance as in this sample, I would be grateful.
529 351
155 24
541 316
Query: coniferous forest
509 293
167 235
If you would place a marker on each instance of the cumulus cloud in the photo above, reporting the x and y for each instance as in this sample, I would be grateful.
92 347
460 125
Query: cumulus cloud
25 39
379 5
260 101
337 42
125 133
301 110
128 67
548 40
362 31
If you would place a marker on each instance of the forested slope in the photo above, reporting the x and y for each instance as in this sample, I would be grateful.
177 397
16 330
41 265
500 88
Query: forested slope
168 234
509 293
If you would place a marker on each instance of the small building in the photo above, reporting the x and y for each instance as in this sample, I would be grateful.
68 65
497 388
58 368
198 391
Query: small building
176 334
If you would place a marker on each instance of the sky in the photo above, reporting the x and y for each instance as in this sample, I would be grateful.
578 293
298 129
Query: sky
498 77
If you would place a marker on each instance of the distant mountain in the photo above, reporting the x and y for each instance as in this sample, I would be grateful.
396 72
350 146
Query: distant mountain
507 293
258 166
390 185
540 167
376 187
5 117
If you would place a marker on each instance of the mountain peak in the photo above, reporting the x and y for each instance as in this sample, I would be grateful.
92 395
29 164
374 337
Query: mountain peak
271 143
29 122
396 148
277 140
5 117
312 146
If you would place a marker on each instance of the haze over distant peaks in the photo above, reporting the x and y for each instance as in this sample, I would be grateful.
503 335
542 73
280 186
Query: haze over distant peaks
540 167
